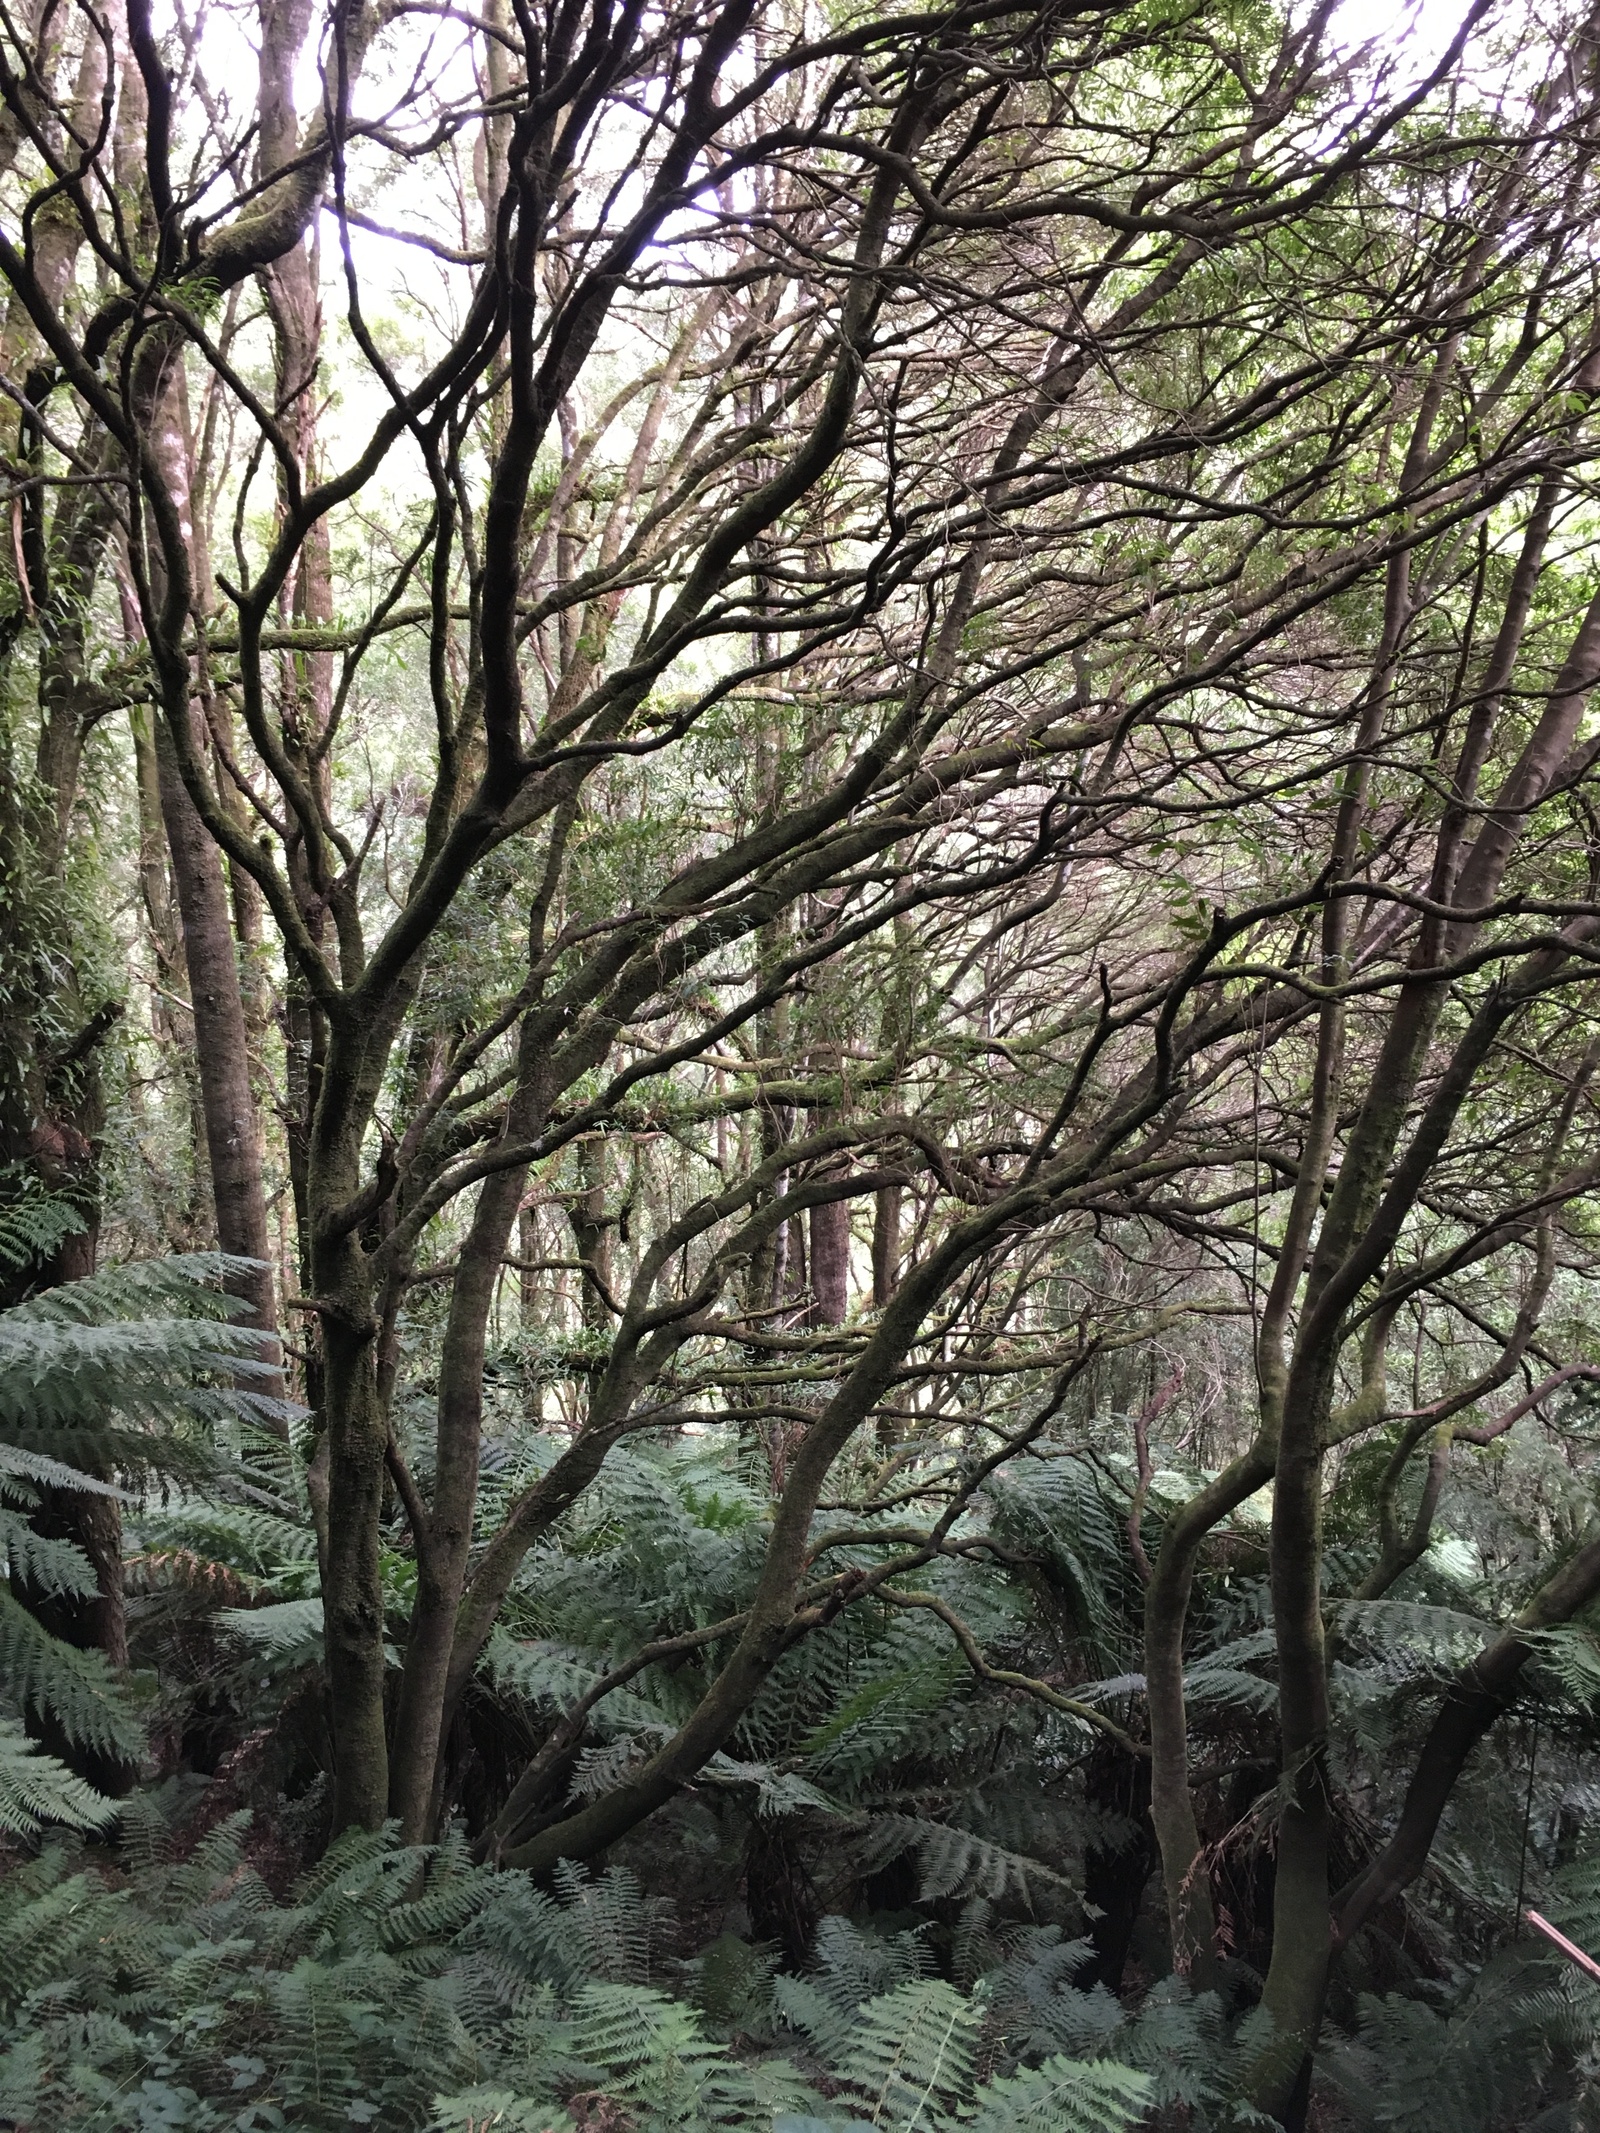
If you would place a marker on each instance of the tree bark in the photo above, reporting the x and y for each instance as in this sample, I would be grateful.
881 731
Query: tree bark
442 1547
1191 1916
233 1131
830 1262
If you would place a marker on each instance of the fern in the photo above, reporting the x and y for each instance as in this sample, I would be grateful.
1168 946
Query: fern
1466 2068
910 2055
1570 1654
1062 2096
34 1227
51 1566
284 1635
653 2053
47 1678
613 1922
851 1967
36 1789
954 1861
909 2061
273 1547
126 1372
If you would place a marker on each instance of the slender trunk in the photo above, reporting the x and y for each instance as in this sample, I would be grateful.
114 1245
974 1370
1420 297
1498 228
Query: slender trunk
885 1244
233 1135
414 1780
352 1581
1298 1976
1191 1917
885 1276
171 1019
592 1230
830 1262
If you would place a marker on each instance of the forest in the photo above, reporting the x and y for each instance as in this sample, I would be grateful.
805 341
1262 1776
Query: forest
799 1135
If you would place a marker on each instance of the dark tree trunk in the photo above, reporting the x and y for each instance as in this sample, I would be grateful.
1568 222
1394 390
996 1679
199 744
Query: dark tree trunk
1117 1868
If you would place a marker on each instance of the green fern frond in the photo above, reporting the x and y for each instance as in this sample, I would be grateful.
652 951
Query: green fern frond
284 1635
501 2109
47 1565
246 1538
851 1967
1570 1654
1223 1676
1419 2069
27 1467
34 1228
100 1372
1062 2096
656 2060
612 1920
77 1689
36 1790
953 1861
57 1926
910 2055
731 1982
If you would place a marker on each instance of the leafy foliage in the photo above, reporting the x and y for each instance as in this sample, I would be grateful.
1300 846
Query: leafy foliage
125 1373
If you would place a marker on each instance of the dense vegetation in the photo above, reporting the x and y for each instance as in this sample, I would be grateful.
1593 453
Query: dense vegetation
798 1114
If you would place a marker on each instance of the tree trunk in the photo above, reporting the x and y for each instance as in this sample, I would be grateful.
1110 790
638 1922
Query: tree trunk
1191 1916
443 1546
885 1244
233 1134
352 1580
830 1262
1298 1975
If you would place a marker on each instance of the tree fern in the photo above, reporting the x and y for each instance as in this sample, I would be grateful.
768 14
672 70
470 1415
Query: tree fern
109 1369
953 1861
283 1635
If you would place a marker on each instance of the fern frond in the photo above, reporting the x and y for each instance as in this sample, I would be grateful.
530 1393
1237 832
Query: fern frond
611 1919
1062 2096
34 1228
35 1789
48 1565
285 1634
56 1926
41 1674
955 1861
32 1466
851 1967
245 1537
910 2055
89 1367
